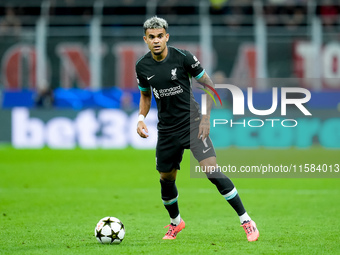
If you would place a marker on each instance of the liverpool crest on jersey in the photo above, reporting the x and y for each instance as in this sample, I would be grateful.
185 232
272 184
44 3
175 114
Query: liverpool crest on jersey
173 74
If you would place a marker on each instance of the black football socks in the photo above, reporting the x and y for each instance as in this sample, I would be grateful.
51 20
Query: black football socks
227 189
169 196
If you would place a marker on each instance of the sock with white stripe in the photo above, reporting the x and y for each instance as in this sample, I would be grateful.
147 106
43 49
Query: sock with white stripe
235 201
244 218
176 220
227 189
169 197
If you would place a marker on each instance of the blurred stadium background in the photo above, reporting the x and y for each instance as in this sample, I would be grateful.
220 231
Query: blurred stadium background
69 64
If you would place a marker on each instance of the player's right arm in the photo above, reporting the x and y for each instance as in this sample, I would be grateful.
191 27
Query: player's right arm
145 101
144 107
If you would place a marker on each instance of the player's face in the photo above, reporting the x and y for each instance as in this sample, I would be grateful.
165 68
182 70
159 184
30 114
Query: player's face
156 40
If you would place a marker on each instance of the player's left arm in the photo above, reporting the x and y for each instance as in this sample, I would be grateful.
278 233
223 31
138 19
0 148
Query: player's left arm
204 127
193 67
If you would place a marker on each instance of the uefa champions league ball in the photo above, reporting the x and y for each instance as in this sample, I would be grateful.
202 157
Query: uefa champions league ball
109 230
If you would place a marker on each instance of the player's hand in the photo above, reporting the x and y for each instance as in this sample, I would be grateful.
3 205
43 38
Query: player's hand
142 129
204 127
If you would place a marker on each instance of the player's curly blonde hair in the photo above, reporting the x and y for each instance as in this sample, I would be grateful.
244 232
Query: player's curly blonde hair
154 23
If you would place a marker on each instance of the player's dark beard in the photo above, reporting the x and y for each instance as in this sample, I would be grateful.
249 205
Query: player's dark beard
158 53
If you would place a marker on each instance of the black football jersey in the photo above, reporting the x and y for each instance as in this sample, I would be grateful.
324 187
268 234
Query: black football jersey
170 82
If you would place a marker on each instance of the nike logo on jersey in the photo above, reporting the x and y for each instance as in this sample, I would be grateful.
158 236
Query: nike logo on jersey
204 151
149 78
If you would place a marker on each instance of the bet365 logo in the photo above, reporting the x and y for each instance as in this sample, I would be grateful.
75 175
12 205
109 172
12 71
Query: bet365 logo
238 102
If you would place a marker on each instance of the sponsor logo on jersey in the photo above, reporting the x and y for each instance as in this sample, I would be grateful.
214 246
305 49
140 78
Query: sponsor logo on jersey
155 93
196 64
167 92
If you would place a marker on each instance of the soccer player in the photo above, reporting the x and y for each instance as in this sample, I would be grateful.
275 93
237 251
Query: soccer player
166 71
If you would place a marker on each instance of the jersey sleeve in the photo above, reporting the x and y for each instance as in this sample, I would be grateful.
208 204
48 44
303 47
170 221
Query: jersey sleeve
143 85
193 66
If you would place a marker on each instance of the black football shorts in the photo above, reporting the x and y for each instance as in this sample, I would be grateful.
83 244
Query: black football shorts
170 148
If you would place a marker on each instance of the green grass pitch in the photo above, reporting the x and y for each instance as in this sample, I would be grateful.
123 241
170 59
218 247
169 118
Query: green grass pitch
51 200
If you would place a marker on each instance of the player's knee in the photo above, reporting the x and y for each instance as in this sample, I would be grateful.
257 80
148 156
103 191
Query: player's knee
209 165
169 176
222 182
